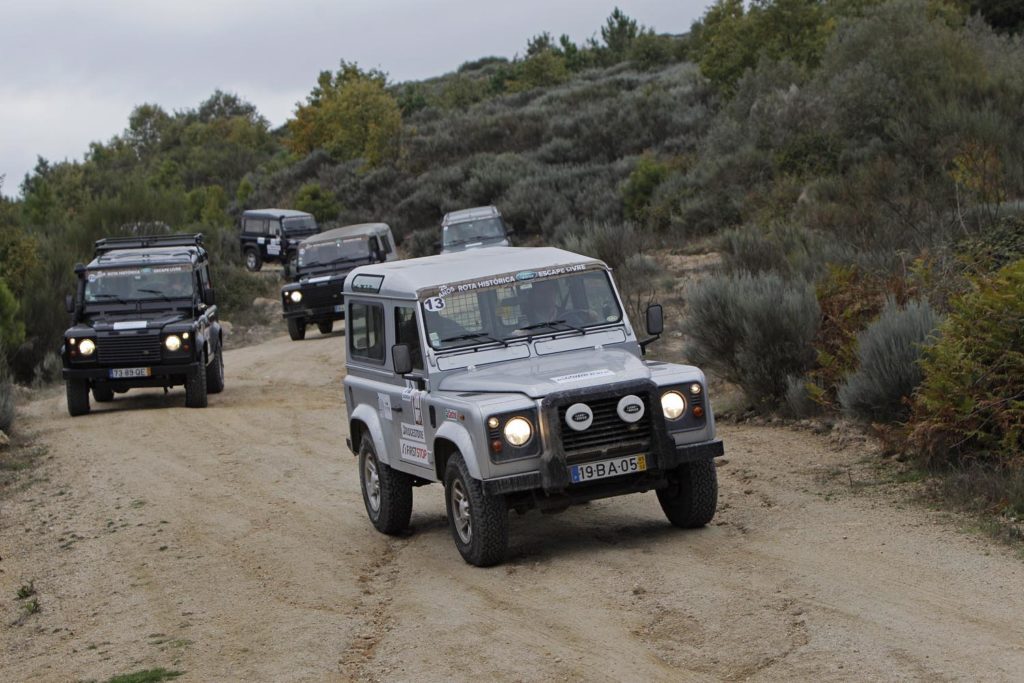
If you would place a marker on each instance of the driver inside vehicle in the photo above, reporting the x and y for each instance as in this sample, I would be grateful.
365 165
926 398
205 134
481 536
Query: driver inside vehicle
542 304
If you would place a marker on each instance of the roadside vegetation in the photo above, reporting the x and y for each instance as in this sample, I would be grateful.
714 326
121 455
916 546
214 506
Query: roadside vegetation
859 164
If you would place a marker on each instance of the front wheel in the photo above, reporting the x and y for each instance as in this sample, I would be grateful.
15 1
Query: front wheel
296 329
387 493
78 397
478 522
215 372
195 389
325 327
690 499
103 394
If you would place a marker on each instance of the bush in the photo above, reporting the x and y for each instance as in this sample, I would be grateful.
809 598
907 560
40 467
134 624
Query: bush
613 243
421 243
6 397
888 372
755 330
971 401
48 371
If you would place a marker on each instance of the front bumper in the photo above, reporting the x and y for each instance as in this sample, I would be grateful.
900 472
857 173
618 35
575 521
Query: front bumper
316 314
680 455
162 375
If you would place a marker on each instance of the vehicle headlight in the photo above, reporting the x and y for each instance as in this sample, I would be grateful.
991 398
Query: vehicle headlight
518 431
173 342
295 296
673 405
86 347
694 388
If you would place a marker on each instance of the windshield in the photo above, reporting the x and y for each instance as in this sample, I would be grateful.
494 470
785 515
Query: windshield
338 251
121 285
512 307
472 231
300 224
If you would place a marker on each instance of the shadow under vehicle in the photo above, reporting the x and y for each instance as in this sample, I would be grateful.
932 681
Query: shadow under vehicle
143 315
323 261
473 229
519 382
273 235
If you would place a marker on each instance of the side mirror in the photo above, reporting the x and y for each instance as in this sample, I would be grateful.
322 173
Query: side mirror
69 303
79 269
655 320
401 359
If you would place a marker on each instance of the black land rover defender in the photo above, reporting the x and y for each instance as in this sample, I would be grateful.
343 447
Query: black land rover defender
321 265
273 236
143 316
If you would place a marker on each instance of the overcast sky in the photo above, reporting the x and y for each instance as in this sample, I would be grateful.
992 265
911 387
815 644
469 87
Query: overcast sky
71 71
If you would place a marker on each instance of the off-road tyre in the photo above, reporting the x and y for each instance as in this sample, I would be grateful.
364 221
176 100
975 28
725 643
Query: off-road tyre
215 372
195 389
103 394
296 329
252 259
78 396
690 499
387 493
325 328
484 542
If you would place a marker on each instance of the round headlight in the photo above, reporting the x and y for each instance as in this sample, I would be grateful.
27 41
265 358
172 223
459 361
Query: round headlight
518 431
173 342
86 347
694 388
672 404
295 296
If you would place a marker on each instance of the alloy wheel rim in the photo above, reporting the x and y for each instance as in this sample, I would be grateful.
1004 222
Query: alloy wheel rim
461 513
372 482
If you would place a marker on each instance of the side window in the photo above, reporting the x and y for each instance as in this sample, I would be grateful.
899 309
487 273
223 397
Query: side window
407 333
366 332
256 226
387 244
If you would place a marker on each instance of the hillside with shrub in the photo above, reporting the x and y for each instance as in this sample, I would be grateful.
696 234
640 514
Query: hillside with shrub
858 163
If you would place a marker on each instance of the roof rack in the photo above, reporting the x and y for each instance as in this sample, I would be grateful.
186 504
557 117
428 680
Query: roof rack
145 241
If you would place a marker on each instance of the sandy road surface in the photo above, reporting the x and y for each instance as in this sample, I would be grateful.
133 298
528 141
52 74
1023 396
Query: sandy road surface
231 543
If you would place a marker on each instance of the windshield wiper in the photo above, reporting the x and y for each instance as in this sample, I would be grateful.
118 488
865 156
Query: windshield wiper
476 335
109 296
472 239
552 324
157 292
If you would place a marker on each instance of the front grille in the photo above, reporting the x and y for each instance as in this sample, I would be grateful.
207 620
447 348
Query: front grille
129 349
608 435
327 294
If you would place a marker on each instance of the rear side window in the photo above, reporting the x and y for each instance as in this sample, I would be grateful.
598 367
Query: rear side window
257 226
366 332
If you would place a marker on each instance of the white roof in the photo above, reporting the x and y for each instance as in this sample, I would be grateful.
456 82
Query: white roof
405 278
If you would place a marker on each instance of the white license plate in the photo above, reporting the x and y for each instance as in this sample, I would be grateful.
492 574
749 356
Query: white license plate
339 308
128 373
608 468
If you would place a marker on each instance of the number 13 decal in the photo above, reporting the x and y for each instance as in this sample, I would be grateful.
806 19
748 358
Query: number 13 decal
434 303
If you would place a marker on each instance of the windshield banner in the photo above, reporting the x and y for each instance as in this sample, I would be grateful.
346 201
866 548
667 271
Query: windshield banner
509 278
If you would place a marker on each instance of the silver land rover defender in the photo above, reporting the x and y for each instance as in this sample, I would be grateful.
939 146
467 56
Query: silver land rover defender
517 381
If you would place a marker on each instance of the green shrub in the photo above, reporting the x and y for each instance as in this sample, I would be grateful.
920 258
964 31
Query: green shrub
971 401
421 242
613 243
888 371
754 330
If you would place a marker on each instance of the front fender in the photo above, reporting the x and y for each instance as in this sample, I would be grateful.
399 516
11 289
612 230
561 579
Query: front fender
368 416
458 435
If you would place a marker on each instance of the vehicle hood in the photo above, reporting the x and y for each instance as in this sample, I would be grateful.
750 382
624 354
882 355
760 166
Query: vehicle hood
135 320
538 377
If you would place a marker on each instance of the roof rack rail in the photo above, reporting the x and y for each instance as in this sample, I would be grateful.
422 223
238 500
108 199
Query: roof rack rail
106 244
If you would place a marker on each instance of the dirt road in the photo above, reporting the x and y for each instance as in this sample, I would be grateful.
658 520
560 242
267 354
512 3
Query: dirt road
231 543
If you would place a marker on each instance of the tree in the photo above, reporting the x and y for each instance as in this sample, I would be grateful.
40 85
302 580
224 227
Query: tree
350 115
618 33
312 198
